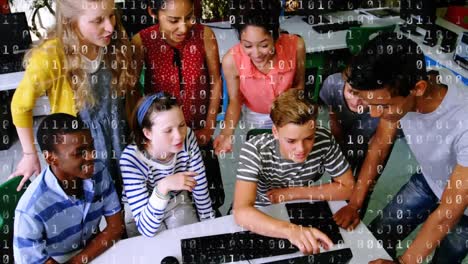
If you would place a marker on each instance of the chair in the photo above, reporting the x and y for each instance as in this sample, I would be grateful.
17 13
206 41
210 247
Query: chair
9 198
314 69
357 37
224 98
457 15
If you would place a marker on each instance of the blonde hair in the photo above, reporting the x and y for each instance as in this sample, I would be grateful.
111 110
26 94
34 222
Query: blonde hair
118 55
293 107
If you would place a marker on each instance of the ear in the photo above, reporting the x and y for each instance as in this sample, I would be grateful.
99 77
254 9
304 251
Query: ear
274 130
50 157
147 133
152 13
420 88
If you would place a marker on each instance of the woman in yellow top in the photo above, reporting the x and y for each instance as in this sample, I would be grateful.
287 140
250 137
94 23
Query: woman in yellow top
85 68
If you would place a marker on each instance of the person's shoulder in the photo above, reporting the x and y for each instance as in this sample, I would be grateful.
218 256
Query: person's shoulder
148 31
262 141
37 197
322 134
334 81
130 149
47 50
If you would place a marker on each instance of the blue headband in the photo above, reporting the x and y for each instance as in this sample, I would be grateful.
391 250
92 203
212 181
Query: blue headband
146 105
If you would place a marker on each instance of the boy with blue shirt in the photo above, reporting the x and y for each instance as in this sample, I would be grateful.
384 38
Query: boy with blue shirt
57 218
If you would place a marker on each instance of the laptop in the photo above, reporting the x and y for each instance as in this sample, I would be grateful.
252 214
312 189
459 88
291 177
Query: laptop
14 43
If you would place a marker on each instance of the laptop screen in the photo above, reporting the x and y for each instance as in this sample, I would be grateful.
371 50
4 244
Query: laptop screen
14 32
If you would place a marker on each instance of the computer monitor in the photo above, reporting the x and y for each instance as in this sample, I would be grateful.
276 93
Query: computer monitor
315 10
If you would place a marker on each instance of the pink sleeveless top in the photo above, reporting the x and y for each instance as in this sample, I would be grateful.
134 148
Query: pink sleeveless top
258 89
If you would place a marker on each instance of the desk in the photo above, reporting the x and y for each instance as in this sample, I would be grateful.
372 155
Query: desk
152 250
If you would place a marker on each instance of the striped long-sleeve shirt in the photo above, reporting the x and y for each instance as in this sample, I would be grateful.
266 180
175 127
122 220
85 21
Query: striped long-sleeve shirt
140 175
260 161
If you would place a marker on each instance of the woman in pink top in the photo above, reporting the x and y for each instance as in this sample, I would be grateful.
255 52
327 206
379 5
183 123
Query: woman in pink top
264 64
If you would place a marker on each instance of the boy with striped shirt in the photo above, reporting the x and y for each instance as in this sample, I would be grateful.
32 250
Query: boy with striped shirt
284 166
57 218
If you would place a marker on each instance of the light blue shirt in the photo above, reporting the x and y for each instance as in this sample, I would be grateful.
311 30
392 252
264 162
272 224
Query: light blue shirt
49 223
439 140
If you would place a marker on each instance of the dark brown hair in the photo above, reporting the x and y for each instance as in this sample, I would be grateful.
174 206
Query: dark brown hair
161 104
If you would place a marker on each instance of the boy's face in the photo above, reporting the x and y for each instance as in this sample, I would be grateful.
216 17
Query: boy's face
295 141
355 103
72 157
383 105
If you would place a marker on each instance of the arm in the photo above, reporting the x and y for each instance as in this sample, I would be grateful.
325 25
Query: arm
36 81
246 215
139 54
147 208
452 207
29 164
299 78
379 149
212 61
335 128
223 141
28 242
104 240
200 190
340 189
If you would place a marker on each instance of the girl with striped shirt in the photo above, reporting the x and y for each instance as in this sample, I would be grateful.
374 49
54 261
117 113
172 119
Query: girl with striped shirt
159 169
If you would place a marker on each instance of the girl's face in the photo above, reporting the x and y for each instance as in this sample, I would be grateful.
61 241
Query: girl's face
167 134
176 19
258 44
96 23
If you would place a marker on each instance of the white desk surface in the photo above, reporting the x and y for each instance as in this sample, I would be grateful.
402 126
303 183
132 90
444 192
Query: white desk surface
152 250
10 81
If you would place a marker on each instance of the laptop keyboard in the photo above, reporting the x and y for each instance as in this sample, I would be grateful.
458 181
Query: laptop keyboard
340 256
315 214
231 247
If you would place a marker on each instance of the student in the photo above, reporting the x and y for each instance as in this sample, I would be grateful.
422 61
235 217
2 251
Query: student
84 67
284 165
432 115
363 140
263 65
160 167
57 219
181 58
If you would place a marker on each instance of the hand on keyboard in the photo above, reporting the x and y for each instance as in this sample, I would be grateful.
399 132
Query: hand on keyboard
308 239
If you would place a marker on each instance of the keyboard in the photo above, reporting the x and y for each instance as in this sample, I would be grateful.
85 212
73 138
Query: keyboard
315 214
231 247
340 256
325 28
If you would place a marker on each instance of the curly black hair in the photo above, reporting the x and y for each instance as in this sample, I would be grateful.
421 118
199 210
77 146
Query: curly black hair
391 61
260 13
